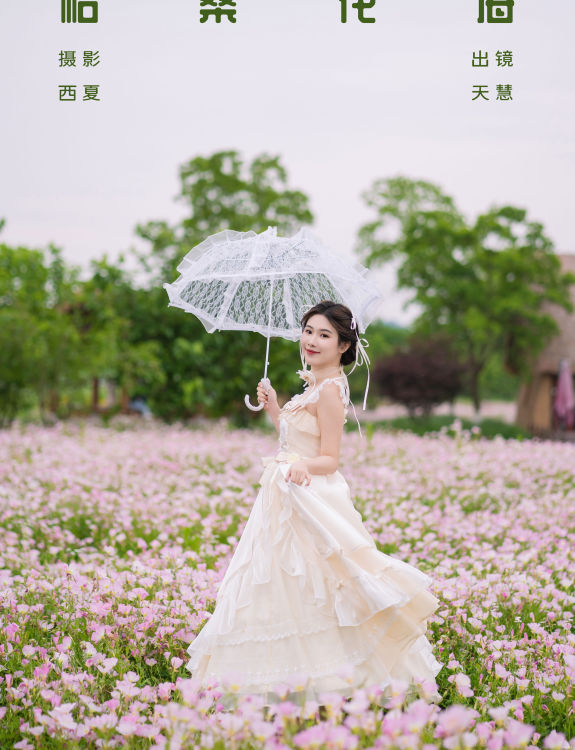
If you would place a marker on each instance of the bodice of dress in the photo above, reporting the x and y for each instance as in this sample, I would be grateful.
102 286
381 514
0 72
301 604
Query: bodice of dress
299 429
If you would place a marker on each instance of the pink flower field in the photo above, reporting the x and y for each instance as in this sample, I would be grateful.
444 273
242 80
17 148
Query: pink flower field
113 542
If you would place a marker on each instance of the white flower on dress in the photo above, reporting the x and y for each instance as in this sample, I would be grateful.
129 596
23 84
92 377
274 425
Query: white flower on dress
307 376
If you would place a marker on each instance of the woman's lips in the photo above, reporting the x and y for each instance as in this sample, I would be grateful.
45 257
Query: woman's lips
309 351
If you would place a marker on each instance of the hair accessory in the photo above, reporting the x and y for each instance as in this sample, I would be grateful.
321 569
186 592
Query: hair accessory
360 356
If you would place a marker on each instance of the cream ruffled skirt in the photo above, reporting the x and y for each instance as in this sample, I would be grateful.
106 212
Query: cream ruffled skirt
307 593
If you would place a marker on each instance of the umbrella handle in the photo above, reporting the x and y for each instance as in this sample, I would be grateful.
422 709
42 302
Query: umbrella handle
259 407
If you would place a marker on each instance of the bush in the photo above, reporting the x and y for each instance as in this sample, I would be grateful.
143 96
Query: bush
420 375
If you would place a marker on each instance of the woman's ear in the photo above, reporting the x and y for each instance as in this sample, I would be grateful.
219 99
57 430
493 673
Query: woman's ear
346 345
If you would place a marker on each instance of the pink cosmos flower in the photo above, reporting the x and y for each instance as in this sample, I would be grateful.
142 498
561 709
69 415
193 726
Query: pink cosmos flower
358 704
286 709
128 725
233 726
463 684
392 724
107 665
311 738
556 741
417 715
427 689
499 714
11 630
517 734
495 742
262 730
62 715
455 720
340 738
465 740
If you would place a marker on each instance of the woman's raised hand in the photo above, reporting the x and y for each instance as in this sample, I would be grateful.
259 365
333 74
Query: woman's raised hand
269 399
298 473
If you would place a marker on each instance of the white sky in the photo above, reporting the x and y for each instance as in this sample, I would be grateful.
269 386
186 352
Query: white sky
342 104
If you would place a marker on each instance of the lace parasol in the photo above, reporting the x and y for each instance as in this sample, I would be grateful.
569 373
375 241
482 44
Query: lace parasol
265 283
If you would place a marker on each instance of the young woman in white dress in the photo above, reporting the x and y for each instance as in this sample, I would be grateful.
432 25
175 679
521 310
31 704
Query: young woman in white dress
308 600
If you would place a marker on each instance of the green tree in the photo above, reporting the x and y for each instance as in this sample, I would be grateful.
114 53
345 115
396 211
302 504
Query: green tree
59 333
482 283
209 373
38 345
221 192
20 362
114 338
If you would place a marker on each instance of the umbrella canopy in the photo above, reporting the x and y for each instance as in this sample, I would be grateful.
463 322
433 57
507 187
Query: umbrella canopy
265 283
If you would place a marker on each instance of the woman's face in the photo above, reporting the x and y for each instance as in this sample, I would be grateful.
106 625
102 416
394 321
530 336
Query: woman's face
320 342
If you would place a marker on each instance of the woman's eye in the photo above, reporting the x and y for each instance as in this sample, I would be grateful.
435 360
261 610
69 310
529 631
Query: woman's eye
325 335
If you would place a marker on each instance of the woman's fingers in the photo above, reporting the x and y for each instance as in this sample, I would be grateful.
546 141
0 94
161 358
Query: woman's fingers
299 480
267 389
262 395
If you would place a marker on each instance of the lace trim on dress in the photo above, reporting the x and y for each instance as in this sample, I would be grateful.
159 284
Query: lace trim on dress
417 648
252 636
311 391
302 398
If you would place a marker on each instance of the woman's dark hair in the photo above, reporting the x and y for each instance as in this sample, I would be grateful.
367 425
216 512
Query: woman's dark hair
340 317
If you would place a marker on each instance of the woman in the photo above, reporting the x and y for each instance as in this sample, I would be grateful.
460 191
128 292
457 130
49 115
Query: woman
306 591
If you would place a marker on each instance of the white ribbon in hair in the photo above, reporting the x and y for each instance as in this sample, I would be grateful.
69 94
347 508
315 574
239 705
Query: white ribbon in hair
360 359
360 356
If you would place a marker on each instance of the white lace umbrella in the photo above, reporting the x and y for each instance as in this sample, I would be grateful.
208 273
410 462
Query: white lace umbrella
263 282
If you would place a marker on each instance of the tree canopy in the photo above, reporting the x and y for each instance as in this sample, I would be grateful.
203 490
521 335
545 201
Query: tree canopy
482 282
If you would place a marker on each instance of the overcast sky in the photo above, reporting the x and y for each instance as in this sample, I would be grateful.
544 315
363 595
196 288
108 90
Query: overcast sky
341 104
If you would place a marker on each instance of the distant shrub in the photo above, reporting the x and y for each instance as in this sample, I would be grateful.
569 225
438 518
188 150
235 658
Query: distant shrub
420 375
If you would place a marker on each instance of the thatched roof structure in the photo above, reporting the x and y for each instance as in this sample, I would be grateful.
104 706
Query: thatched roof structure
562 345
535 399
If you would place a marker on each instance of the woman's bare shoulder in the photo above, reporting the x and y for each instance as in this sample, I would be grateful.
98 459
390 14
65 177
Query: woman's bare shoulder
332 398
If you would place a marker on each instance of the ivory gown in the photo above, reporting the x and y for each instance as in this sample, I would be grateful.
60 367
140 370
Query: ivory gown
308 592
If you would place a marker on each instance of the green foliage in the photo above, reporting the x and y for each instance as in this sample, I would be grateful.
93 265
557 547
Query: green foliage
19 364
39 345
60 332
483 283
221 192
495 382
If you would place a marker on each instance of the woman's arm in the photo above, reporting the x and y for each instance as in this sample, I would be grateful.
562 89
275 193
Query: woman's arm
331 416
275 417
